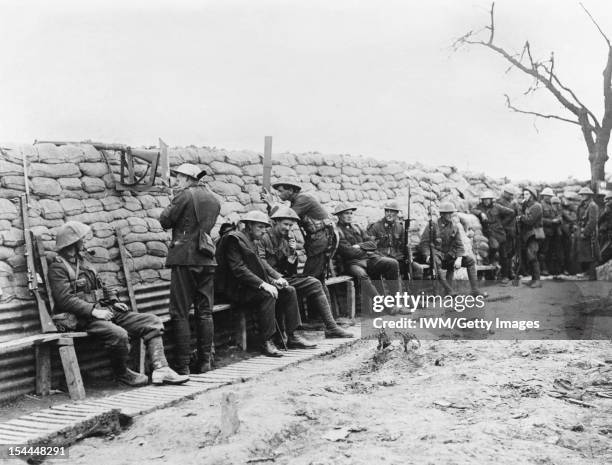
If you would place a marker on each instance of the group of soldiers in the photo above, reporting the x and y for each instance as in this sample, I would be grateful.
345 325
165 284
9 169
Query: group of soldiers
257 265
546 234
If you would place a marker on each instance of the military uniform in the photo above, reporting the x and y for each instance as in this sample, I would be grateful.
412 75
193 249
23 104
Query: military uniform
587 245
568 238
532 233
605 233
493 228
192 212
550 257
507 248
389 239
274 249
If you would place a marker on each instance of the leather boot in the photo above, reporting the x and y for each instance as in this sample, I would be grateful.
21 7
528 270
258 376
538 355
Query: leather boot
269 349
182 345
162 373
473 278
448 290
119 362
205 335
295 341
332 329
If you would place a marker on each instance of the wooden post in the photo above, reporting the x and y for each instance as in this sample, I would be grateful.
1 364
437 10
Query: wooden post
243 329
42 352
71 369
350 299
141 352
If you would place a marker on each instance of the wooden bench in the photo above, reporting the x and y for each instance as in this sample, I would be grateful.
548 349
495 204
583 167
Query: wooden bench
349 288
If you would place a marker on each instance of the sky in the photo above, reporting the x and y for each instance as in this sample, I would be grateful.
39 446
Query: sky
375 78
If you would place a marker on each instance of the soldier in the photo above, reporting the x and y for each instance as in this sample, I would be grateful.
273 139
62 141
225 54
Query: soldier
249 280
605 229
77 289
532 233
491 214
449 251
551 222
316 224
279 248
555 258
191 256
388 234
508 247
587 246
359 256
569 205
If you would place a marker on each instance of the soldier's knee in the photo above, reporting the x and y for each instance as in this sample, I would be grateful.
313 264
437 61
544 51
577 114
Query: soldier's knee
117 337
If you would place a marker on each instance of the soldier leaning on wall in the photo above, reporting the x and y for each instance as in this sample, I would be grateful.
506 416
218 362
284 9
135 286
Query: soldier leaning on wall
192 214
77 289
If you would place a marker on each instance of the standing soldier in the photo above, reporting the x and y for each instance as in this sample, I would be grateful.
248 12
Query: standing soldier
449 251
279 248
507 248
569 226
315 223
78 290
551 221
388 234
360 257
491 216
532 234
587 241
605 229
555 258
191 255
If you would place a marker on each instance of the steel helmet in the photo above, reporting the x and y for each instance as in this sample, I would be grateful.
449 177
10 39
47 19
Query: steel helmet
547 191
284 212
586 191
608 195
71 233
447 207
570 195
487 195
555 199
256 216
511 189
286 182
392 206
189 169
343 207
532 191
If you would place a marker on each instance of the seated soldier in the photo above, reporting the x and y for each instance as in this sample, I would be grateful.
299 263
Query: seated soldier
279 248
248 279
449 251
77 289
360 259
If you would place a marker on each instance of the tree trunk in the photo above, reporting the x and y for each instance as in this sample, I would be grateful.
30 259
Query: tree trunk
597 160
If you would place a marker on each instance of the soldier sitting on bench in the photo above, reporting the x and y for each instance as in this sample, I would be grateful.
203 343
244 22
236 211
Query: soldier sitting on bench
278 247
77 289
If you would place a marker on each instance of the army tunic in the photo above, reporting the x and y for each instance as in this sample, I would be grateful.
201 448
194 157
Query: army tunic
587 240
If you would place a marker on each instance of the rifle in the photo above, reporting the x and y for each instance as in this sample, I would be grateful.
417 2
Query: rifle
406 238
46 323
516 259
432 254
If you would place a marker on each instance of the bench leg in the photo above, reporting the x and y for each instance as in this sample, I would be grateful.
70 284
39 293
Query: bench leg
71 369
350 299
242 337
43 368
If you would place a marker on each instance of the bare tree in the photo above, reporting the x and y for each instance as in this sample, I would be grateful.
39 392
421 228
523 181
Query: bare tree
596 134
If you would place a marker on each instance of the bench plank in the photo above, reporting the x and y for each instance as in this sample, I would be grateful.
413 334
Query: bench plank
30 341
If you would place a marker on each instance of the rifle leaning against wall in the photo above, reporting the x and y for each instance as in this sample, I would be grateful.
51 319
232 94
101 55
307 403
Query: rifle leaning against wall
406 240
432 251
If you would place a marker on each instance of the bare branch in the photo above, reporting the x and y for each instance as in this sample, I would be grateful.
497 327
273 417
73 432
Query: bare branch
492 26
596 25
535 113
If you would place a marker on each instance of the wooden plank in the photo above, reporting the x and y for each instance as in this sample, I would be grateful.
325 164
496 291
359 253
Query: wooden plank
350 299
242 325
43 368
72 372
140 355
29 341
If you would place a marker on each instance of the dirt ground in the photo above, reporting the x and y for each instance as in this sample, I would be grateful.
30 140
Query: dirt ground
445 402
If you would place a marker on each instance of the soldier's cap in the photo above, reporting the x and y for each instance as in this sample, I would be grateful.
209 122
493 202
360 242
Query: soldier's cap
511 189
286 182
343 207
487 195
70 233
570 195
285 212
555 199
586 191
547 191
532 190
392 206
189 169
256 216
447 207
